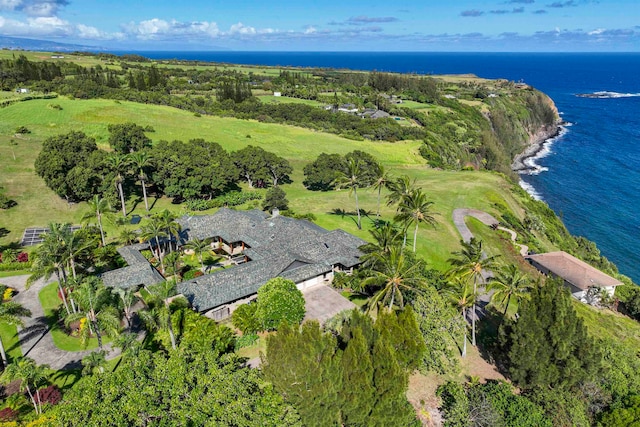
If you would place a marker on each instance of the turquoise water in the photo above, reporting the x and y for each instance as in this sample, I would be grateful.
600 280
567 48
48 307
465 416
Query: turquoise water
590 176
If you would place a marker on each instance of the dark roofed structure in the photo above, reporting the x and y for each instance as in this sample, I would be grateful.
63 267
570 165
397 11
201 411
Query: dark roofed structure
267 247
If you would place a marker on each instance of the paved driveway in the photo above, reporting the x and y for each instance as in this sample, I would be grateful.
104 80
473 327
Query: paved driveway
323 302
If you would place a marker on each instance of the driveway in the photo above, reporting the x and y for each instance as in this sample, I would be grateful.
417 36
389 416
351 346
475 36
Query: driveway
323 302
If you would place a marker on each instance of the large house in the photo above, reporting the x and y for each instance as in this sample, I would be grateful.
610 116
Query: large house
261 247
577 274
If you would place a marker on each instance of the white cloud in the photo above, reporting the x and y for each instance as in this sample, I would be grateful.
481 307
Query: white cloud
51 26
45 8
160 29
242 29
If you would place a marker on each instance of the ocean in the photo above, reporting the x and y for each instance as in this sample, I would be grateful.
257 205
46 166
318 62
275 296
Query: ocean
589 175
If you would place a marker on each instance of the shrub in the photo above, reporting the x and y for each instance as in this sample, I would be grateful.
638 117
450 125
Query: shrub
23 257
279 301
244 318
245 341
8 414
50 395
232 198
23 130
11 266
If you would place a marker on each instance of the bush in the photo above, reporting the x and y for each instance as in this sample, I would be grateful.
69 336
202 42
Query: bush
11 266
279 301
232 198
246 341
244 318
191 274
23 257
50 395
8 414
275 198
22 130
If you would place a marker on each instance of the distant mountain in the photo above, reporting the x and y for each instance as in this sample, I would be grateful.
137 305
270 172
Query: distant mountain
44 45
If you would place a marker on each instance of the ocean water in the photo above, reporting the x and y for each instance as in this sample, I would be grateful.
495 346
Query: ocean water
589 175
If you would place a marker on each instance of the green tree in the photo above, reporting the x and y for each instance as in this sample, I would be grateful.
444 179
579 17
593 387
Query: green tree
119 163
461 295
126 299
251 163
278 167
141 160
97 207
275 198
470 262
127 138
549 345
172 228
394 273
358 391
94 363
279 300
158 316
382 180
352 180
386 235
509 283
31 377
322 173
10 312
626 416
400 188
311 380
415 209
244 318
95 305
154 230
198 247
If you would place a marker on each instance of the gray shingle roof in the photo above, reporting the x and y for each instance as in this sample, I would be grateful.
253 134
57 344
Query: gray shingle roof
138 272
277 246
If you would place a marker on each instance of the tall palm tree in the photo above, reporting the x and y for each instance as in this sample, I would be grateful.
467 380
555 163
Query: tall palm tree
97 208
509 283
10 312
153 230
394 273
94 304
198 247
127 236
31 376
127 299
172 228
352 180
470 262
119 163
383 178
75 245
158 317
415 208
400 188
460 293
141 160
48 260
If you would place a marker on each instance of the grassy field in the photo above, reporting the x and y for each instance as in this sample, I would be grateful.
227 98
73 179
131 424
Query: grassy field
270 99
37 205
602 323
9 335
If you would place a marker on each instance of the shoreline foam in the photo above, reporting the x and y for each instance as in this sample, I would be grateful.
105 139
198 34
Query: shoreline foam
539 147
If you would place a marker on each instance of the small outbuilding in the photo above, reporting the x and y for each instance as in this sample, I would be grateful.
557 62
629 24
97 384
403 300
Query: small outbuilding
577 274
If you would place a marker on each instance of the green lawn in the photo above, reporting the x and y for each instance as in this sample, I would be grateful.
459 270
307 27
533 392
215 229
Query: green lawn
9 336
50 302
270 99
37 205
357 299
602 323
14 273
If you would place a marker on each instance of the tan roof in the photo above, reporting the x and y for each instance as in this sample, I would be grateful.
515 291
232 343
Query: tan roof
577 272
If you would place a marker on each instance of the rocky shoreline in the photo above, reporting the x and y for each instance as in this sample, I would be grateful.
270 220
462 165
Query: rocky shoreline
536 144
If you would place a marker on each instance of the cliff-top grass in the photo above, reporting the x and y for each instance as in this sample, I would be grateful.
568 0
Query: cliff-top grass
38 206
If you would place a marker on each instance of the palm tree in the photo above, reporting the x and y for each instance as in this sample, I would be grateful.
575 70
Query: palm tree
158 317
31 377
94 362
509 283
400 188
127 236
198 247
154 230
10 312
461 295
127 299
75 244
383 178
97 207
395 273
415 208
352 180
168 220
119 164
141 160
94 303
470 262
48 260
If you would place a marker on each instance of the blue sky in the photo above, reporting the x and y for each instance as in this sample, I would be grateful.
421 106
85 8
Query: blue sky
347 25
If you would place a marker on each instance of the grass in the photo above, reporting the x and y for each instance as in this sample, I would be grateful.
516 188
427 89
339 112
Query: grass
50 302
358 299
254 350
606 324
37 205
10 340
270 99
14 273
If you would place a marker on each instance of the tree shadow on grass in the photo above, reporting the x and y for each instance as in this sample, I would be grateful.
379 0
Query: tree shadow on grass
353 216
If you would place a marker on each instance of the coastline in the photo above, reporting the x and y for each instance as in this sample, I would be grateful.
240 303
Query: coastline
535 146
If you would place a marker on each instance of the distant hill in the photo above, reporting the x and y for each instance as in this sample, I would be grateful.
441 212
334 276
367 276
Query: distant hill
44 45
